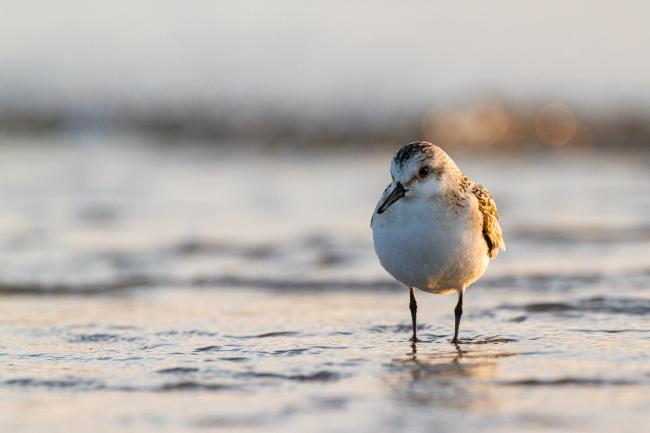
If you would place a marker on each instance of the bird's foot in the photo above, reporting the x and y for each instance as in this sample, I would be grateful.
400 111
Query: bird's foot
455 341
414 339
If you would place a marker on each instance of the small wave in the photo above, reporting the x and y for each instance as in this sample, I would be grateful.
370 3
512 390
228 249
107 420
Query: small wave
233 421
569 381
294 283
217 281
268 334
548 307
124 327
329 347
93 338
208 349
155 346
71 383
100 338
188 333
88 288
584 234
396 329
599 304
178 370
533 282
290 352
495 339
79 384
563 281
194 247
234 358
319 376
193 386
610 331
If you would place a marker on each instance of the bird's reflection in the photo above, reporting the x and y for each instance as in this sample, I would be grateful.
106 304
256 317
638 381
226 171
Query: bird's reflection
449 376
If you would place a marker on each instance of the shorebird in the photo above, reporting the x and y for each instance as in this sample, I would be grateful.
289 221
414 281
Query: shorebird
434 229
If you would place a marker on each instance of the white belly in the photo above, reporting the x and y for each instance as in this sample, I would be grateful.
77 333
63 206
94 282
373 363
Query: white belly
431 246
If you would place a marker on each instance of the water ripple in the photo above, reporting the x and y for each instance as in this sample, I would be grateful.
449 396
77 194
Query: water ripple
598 304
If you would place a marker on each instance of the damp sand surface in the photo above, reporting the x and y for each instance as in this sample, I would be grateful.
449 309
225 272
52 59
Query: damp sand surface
168 289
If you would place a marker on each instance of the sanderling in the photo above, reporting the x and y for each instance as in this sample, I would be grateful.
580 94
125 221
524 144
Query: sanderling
434 228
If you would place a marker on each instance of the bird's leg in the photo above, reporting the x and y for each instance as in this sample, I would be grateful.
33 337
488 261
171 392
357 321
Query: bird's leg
413 306
458 312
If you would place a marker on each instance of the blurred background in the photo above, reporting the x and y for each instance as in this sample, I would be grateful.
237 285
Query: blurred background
183 181
506 75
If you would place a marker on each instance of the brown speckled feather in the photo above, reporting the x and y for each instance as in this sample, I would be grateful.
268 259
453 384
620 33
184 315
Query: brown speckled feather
491 228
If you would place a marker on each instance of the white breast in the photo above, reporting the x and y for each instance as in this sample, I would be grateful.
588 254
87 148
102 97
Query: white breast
430 244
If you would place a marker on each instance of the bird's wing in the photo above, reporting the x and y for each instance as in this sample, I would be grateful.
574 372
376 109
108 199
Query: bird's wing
491 228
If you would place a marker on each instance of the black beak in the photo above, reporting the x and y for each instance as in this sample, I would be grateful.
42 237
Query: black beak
397 193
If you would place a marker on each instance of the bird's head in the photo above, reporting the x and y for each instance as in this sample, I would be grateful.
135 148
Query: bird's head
419 171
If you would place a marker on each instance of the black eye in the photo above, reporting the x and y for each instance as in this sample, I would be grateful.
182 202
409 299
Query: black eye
423 172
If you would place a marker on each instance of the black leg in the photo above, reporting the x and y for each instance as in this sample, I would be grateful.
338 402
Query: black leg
413 306
458 312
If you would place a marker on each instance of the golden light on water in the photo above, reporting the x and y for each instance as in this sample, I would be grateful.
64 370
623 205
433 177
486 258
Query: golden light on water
555 124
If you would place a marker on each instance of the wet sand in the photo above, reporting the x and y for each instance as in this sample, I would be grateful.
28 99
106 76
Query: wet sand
178 360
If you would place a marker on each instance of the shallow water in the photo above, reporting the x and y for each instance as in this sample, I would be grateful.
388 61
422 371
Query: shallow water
185 289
